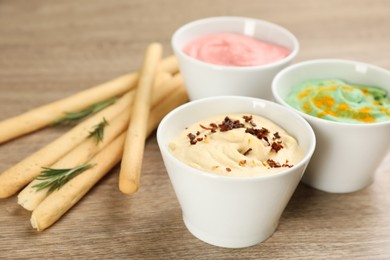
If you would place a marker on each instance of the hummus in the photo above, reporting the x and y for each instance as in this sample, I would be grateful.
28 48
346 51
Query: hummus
236 145
340 101
230 49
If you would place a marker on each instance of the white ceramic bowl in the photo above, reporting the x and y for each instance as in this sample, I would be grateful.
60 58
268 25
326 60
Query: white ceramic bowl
205 80
231 211
347 155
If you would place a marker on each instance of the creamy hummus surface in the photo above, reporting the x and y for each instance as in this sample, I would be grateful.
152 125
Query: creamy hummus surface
230 49
237 145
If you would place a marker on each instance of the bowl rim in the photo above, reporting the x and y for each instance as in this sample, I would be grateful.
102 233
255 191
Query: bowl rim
319 62
190 170
286 60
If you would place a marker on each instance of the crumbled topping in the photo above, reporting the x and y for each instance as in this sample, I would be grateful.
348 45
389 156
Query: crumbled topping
273 164
248 119
242 162
276 146
247 151
213 127
276 136
192 138
287 165
259 133
227 124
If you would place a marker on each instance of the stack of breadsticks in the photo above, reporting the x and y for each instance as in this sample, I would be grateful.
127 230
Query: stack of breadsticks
143 99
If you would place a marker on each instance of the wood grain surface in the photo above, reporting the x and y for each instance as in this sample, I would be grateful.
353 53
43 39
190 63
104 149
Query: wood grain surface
52 49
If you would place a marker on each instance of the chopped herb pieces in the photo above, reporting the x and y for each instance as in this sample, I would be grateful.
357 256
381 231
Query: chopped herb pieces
74 117
56 178
98 131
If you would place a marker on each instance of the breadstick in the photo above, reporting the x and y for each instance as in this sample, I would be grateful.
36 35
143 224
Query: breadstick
60 201
25 171
136 134
175 99
29 198
169 64
45 115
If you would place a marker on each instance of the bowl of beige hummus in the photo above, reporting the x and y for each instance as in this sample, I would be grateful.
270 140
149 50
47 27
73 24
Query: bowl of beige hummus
234 163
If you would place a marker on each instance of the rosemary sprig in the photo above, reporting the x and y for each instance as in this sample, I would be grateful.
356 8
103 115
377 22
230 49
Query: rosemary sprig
98 131
56 178
74 117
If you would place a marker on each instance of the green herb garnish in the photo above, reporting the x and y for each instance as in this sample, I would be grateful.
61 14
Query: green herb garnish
56 178
98 131
73 117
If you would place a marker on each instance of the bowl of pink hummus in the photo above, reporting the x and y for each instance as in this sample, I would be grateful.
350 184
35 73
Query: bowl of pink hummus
232 56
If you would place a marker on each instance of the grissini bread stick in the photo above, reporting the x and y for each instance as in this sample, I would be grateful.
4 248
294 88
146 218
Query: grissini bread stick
47 114
26 170
16 177
168 64
60 201
165 89
135 139
175 99
29 198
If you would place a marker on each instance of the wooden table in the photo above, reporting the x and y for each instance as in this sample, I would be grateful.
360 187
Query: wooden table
52 49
